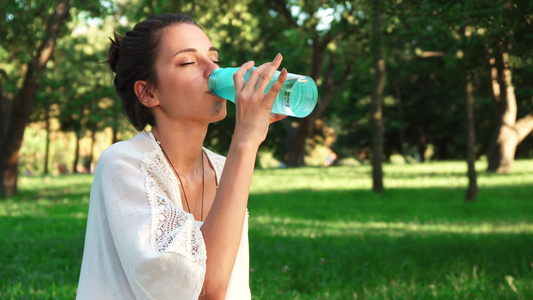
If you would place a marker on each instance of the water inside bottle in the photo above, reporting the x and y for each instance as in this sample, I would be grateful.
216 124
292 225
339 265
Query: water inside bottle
283 103
295 98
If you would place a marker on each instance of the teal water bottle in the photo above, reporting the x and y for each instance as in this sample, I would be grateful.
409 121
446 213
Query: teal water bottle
297 97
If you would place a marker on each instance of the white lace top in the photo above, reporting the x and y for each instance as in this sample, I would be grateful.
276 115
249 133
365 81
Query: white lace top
140 243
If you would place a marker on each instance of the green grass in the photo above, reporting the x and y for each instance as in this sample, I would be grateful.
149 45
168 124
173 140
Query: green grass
318 233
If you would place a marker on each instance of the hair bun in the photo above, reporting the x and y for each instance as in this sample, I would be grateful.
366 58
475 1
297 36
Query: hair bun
114 51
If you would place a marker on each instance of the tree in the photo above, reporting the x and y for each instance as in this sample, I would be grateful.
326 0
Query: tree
330 53
509 132
376 111
509 33
471 193
16 107
30 32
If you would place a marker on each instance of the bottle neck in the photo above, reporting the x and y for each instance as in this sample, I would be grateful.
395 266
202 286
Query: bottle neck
212 82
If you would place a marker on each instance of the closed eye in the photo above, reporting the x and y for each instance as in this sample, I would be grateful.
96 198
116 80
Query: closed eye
189 63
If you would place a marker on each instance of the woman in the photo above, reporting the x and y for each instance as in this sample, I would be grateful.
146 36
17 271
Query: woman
167 217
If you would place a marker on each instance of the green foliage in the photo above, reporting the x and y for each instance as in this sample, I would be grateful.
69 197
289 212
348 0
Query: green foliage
22 24
318 233
425 95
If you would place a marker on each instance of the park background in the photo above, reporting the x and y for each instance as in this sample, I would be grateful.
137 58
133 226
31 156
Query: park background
426 105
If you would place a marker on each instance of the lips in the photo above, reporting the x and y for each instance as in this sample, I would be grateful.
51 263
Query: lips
210 93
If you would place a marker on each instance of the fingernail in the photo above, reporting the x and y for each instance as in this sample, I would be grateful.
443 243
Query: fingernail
283 71
278 57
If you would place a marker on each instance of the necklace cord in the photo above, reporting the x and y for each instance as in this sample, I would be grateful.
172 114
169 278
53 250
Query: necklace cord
181 182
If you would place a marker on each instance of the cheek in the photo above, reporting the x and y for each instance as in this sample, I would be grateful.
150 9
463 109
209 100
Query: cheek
175 78
189 86
177 87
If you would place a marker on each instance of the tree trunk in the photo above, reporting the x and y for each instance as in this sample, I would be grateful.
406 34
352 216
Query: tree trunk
376 118
296 140
401 119
422 142
509 132
47 146
6 99
471 192
22 104
77 151
297 135
89 162
298 131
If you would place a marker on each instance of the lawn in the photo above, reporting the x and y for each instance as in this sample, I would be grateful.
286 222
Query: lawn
318 233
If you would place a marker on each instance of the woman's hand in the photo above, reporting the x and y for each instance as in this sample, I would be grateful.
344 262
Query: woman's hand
254 106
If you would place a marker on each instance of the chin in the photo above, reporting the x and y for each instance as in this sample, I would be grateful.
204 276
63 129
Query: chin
220 112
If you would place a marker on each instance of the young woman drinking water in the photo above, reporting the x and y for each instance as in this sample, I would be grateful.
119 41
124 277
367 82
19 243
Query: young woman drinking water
167 217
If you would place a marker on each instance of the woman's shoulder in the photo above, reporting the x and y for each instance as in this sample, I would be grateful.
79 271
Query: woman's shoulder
128 150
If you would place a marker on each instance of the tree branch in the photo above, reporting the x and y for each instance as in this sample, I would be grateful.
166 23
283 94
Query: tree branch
53 29
524 127
331 85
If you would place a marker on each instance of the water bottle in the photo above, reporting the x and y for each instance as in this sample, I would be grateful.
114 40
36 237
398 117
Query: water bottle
296 98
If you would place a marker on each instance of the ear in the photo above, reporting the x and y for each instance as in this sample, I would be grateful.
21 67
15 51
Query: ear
144 94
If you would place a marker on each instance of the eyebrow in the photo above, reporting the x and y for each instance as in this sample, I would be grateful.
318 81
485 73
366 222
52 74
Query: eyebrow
211 49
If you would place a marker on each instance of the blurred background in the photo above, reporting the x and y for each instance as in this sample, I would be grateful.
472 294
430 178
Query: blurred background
408 67
365 198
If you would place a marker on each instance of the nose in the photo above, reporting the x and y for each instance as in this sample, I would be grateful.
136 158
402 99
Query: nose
210 66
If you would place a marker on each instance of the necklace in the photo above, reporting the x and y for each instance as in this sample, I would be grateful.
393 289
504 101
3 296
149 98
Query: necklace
181 182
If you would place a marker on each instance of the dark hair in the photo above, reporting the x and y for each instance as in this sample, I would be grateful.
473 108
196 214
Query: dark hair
132 58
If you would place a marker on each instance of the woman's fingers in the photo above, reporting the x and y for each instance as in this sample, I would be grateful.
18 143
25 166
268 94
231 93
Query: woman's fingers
276 86
238 77
253 104
273 92
266 75
260 77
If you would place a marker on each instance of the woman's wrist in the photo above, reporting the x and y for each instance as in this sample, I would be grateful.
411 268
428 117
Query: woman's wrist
244 147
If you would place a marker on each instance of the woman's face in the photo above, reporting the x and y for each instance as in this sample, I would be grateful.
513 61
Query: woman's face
185 60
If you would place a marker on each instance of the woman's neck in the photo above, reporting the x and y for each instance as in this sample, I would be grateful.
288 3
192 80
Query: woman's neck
183 146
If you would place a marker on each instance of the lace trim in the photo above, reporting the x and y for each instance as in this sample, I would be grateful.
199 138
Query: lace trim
173 229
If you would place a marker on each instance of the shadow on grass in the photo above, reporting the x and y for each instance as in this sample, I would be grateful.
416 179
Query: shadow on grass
339 245
52 193
378 266
500 204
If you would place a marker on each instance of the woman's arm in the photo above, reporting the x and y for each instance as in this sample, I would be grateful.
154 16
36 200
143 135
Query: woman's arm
223 226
